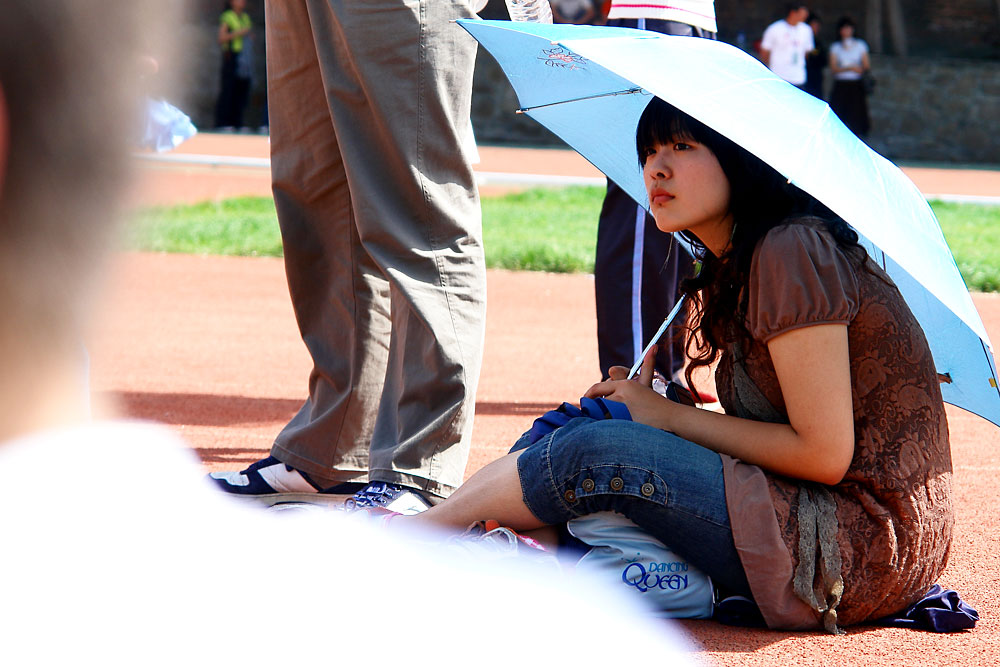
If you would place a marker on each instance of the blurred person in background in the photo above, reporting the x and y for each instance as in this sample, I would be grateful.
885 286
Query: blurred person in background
235 78
816 59
786 43
849 62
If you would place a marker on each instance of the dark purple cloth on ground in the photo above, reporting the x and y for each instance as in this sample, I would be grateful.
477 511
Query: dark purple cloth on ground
940 610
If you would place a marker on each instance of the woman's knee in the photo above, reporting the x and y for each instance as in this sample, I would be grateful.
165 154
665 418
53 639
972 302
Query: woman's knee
605 465
586 443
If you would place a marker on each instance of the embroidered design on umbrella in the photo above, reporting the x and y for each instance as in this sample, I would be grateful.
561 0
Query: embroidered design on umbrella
562 57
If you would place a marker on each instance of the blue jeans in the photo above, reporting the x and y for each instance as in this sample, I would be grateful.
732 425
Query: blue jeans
671 488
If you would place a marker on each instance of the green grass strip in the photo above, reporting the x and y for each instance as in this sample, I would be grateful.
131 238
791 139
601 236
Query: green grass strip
973 234
543 229
245 226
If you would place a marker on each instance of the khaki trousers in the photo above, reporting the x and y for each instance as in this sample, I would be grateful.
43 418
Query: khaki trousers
369 114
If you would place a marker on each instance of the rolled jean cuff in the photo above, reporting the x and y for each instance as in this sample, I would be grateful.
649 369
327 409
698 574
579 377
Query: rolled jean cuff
540 491
591 466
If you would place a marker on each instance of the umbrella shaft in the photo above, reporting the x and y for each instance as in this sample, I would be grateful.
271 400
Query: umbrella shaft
659 332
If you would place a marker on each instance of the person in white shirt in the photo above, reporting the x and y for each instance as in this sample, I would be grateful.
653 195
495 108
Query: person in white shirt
786 43
849 62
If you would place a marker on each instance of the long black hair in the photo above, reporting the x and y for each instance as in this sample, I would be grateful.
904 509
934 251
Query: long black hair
760 199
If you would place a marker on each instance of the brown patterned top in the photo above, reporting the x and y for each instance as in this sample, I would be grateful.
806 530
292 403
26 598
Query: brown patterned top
894 506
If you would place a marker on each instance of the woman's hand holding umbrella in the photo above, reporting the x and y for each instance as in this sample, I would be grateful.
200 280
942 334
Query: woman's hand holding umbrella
644 404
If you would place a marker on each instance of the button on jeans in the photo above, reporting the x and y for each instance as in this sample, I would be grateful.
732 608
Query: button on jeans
670 487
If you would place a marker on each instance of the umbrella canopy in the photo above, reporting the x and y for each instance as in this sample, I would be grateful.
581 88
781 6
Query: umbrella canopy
589 85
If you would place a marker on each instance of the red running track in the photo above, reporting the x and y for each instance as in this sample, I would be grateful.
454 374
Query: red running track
208 345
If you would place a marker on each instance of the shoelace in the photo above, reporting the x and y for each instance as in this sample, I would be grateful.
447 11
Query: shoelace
501 539
373 496
486 537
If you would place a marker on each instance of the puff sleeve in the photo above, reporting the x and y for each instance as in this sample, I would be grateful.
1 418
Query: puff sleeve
799 278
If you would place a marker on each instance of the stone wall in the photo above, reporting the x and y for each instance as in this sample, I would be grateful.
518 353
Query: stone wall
925 108
929 110
943 110
925 28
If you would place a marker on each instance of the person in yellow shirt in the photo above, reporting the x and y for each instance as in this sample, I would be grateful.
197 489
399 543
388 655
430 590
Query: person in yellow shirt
235 38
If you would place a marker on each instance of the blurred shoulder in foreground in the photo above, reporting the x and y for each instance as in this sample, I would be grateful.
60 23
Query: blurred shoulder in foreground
105 563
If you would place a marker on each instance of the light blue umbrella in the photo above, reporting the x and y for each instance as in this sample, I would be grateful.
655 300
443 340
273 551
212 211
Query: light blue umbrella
589 86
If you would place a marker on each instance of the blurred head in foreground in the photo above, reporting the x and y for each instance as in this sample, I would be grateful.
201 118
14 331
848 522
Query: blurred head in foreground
122 573
67 71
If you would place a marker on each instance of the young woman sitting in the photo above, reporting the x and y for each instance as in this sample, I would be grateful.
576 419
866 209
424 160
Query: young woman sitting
824 492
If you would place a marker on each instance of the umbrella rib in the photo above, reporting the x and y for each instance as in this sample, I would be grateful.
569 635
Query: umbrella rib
628 91
986 352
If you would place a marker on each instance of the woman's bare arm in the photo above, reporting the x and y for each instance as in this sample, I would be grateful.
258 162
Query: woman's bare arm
813 369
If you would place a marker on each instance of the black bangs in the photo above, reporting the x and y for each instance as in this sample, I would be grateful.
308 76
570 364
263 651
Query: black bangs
757 190
663 123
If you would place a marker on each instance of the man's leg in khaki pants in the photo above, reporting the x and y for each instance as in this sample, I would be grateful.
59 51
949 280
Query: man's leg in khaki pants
381 229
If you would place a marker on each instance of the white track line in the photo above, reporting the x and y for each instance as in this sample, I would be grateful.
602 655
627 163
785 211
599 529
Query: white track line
482 177
205 160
